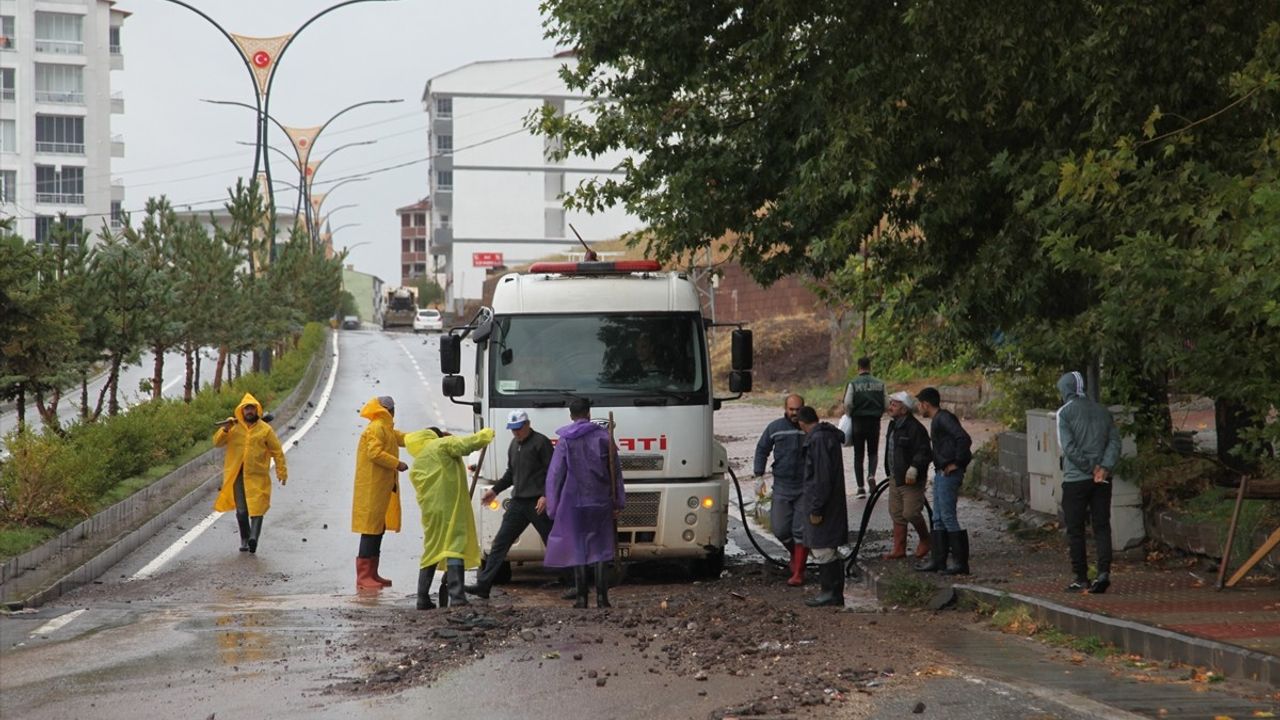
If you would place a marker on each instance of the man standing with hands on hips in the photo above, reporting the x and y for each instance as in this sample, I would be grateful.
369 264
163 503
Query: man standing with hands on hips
528 457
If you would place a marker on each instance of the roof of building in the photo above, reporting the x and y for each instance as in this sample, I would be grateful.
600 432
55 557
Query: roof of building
423 204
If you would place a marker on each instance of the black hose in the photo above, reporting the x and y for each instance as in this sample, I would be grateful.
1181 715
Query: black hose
851 562
742 508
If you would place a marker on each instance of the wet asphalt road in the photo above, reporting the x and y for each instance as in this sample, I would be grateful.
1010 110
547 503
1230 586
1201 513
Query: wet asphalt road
218 633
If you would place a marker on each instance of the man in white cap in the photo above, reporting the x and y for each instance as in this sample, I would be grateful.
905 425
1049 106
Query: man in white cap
907 454
528 456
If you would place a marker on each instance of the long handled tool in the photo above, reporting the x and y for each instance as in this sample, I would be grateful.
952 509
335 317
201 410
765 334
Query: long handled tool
475 474
613 491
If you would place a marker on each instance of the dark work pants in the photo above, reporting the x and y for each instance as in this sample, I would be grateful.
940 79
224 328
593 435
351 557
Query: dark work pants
520 514
1081 500
866 445
370 546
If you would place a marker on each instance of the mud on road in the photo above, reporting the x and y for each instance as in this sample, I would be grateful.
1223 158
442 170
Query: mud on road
789 659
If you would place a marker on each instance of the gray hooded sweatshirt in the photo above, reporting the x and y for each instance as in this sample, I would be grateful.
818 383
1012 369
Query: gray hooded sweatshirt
1087 434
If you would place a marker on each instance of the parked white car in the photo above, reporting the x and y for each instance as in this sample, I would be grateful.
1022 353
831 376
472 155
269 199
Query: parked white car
428 320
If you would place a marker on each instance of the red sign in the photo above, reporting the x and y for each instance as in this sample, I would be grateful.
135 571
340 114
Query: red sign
486 260
261 59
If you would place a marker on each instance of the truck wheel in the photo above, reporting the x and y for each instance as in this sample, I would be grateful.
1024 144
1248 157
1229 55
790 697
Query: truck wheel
709 567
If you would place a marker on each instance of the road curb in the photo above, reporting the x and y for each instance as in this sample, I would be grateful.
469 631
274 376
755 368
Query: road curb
83 553
1134 637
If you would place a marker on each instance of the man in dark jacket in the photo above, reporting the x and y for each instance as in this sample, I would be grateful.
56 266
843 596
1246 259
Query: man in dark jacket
824 504
864 404
528 457
906 463
951 455
783 437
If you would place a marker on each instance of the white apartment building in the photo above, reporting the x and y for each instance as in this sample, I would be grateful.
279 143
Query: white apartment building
56 146
494 194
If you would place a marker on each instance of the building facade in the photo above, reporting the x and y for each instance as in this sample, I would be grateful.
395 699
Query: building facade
368 291
56 145
415 239
495 193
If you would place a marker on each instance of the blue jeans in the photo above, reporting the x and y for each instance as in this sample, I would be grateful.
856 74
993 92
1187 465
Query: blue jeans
946 490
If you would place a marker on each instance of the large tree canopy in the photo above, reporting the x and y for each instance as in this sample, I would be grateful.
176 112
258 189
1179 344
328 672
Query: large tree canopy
1075 180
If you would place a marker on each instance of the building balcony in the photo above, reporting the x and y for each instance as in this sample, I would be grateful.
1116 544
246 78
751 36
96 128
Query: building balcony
7 43
412 233
442 236
117 103
60 47
60 97
8 94
60 198
117 146
117 189
117 59
59 148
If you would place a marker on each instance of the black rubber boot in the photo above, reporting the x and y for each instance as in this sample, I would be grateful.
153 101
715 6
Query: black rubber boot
479 590
572 592
938 548
255 529
242 519
580 586
831 580
454 576
959 553
602 585
425 576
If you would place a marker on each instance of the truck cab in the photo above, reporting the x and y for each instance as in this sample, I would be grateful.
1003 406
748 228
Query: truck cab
633 341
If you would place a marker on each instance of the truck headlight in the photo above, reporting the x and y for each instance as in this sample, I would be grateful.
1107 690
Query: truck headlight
691 519
693 502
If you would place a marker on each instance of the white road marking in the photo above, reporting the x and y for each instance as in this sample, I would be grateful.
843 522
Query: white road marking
421 376
57 623
172 551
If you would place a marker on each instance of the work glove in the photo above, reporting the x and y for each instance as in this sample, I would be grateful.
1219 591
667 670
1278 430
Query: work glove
912 473
815 519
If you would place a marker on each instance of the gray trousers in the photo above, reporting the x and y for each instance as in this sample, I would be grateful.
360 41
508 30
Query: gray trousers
786 518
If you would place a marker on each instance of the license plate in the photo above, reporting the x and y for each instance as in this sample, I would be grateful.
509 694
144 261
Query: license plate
624 552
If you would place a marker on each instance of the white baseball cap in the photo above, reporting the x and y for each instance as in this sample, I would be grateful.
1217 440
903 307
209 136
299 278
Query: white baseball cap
904 398
517 418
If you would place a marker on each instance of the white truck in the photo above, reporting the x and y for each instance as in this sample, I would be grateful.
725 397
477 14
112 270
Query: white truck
633 341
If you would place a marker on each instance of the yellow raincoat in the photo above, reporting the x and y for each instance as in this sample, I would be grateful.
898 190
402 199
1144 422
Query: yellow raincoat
253 447
375 503
440 479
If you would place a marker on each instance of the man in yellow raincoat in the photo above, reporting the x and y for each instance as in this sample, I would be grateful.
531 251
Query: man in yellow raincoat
375 502
246 483
448 527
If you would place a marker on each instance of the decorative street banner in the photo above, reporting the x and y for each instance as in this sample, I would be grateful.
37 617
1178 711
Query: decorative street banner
261 53
317 199
302 140
486 259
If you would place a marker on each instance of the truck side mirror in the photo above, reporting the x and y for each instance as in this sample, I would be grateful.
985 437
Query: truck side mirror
740 381
450 355
741 353
453 385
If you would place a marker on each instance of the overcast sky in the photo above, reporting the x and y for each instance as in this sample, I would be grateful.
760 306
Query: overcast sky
186 149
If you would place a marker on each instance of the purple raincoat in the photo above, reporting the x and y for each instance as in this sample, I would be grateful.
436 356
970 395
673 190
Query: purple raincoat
578 497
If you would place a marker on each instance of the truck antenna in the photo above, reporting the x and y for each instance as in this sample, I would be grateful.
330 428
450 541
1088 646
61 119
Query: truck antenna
591 254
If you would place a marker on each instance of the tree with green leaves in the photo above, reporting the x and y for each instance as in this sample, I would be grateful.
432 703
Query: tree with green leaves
1070 184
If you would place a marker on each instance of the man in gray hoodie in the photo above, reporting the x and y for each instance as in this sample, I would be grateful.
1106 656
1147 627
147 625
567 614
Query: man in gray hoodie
1090 445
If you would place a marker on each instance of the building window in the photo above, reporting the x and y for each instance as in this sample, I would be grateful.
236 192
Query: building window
6 32
8 91
444 220
419 269
420 245
60 186
8 136
444 107
8 185
59 84
420 219
60 134
444 179
405 220
553 223
444 144
113 40
117 214
46 224
59 33
404 271
405 244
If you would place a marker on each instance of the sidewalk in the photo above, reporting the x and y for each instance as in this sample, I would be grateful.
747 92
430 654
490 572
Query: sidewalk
1165 610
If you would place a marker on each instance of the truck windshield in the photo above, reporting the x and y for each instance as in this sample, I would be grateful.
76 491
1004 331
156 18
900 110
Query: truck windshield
657 355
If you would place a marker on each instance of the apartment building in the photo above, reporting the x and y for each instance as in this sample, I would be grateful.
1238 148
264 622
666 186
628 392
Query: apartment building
495 194
415 237
56 145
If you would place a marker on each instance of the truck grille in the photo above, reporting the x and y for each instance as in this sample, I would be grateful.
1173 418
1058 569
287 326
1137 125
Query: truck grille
635 461
641 510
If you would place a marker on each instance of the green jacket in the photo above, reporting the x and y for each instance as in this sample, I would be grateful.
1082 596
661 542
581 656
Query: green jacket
1087 434
864 396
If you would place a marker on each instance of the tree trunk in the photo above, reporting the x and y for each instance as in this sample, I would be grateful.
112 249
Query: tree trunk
113 408
49 411
157 375
186 383
84 395
217 370
239 364
196 381
102 396
22 407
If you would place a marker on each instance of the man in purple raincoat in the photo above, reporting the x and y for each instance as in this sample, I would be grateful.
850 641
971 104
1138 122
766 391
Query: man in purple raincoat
582 502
